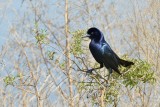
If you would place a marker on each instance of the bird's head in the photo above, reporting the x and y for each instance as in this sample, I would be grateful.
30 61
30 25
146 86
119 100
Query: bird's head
94 33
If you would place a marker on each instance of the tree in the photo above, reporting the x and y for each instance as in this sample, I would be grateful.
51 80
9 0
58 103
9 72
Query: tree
44 59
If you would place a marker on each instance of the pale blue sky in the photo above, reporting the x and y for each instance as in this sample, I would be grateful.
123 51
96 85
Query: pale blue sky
9 9
7 17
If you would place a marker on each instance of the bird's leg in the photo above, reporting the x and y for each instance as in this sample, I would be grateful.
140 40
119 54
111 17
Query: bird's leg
90 70
110 72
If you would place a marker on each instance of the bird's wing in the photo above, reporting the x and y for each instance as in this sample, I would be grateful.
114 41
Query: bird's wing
109 58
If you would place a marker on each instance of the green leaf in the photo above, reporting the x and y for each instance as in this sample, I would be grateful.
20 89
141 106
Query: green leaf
51 54
77 42
9 80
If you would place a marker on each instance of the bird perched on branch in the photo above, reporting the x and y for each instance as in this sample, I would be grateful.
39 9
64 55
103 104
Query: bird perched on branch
103 53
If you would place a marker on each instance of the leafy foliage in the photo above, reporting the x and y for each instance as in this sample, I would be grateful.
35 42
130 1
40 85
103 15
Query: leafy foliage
9 80
140 72
77 42
41 35
51 54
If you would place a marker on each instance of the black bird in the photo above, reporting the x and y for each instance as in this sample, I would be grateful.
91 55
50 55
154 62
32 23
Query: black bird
103 53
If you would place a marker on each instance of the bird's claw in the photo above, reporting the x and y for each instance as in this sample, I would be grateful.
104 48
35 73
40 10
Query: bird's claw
89 71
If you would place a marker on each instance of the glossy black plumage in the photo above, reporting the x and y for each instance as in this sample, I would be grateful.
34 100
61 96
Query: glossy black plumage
103 53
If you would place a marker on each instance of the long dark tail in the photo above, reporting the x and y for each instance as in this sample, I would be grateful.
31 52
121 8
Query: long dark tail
125 63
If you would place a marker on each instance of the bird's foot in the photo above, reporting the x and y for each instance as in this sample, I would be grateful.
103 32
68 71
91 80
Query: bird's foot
109 75
89 71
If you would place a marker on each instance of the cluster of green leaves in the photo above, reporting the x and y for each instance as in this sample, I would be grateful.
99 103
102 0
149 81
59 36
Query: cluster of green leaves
77 42
41 35
51 54
10 80
96 84
140 72
111 92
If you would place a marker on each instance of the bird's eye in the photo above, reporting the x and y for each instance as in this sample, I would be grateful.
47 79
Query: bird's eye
92 33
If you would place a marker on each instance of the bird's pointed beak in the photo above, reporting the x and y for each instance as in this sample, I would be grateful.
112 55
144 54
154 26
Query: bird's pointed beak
86 36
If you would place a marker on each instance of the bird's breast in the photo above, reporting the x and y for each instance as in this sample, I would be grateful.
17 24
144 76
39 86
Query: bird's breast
96 50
